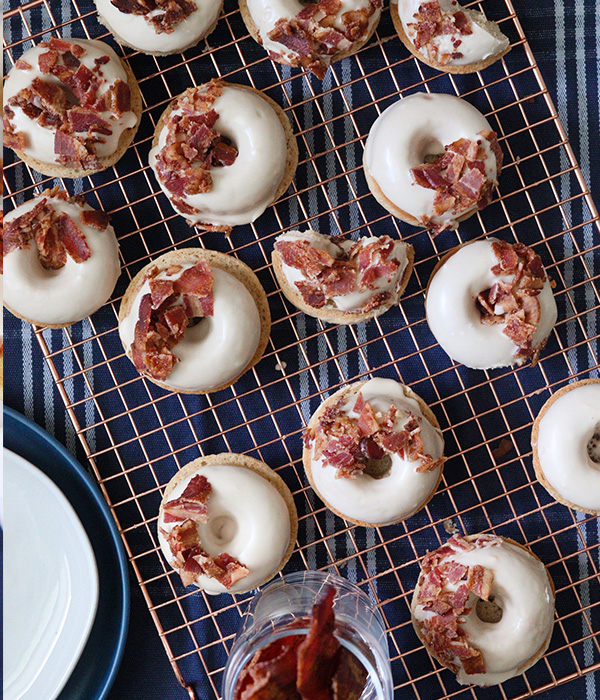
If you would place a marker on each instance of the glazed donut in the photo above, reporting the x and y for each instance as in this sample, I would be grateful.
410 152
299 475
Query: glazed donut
566 446
71 108
446 36
142 25
61 259
373 452
432 160
341 281
484 608
312 35
222 154
227 523
194 320
489 304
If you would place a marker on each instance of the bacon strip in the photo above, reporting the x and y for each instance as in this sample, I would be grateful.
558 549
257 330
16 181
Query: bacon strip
348 444
310 35
184 164
304 667
514 303
164 314
357 270
173 12
443 590
430 22
459 177
192 502
78 127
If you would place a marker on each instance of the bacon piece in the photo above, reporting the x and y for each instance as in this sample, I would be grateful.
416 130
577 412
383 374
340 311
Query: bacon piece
96 218
83 119
22 65
47 61
459 177
72 238
15 140
192 502
164 315
119 96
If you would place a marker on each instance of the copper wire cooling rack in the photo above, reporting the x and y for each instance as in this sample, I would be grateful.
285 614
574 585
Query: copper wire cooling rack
136 436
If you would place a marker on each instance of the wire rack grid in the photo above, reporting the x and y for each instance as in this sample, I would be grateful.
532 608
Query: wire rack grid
136 436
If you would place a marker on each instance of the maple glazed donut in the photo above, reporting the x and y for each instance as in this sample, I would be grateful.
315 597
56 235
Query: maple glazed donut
566 446
373 452
484 607
489 304
432 160
159 27
60 259
71 107
227 523
222 154
341 281
446 36
311 35
194 320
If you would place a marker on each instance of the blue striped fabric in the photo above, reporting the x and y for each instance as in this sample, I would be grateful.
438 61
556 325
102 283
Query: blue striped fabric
565 38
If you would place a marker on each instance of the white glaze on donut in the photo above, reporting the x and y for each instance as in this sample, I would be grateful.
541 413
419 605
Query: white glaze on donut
241 192
522 590
247 518
355 300
408 131
404 490
475 47
74 291
40 140
455 320
138 32
265 14
217 349
564 433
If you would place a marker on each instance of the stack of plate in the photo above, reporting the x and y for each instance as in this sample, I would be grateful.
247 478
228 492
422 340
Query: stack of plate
66 595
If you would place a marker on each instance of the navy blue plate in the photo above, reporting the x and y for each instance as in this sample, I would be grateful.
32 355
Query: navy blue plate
99 662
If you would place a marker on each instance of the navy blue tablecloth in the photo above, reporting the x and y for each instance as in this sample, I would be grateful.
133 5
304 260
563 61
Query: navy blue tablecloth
565 38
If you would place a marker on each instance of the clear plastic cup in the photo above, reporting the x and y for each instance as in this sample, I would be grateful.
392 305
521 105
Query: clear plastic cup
280 609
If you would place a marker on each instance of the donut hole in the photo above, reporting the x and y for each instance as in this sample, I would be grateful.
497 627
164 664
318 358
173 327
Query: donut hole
378 468
593 446
488 610
223 528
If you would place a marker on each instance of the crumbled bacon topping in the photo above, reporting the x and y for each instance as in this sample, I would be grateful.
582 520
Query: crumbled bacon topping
312 37
165 312
78 127
443 591
163 15
358 269
432 21
348 444
514 302
459 177
189 557
54 232
304 667
193 146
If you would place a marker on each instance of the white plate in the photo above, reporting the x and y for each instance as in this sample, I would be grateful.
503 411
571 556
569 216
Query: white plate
50 584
